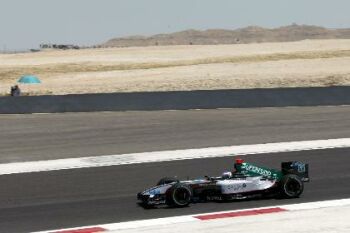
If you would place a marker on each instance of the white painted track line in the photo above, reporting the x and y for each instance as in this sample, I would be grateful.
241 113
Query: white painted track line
294 213
162 156
324 220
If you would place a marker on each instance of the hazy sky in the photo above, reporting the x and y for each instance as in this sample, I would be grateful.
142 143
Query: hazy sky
27 23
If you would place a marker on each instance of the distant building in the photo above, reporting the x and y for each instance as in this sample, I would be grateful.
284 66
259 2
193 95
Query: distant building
59 46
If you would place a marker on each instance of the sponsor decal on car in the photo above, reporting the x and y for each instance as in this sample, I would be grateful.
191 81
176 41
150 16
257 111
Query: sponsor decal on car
301 167
236 187
257 170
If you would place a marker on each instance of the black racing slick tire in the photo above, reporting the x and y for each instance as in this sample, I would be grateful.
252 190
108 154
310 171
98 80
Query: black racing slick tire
167 180
291 186
179 195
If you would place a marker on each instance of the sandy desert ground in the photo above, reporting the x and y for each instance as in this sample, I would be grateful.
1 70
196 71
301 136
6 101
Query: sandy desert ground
192 67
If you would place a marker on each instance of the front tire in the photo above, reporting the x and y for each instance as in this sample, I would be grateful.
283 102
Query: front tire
179 195
291 186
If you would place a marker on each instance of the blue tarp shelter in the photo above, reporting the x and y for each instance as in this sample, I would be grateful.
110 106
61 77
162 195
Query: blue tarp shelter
29 79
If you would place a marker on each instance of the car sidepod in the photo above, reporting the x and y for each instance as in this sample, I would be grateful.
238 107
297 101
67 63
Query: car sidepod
249 184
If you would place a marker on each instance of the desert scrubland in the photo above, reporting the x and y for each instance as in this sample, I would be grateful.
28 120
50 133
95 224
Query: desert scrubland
184 67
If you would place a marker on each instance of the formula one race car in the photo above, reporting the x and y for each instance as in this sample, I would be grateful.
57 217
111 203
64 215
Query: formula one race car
245 182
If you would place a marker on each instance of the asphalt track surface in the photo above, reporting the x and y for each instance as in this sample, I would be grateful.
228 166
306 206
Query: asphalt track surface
71 198
44 137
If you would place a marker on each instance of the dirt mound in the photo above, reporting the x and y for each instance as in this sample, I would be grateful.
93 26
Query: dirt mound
251 34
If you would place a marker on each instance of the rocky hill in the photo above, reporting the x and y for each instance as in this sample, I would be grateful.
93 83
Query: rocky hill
252 34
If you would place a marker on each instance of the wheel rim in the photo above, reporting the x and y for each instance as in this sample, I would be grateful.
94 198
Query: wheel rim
292 186
181 196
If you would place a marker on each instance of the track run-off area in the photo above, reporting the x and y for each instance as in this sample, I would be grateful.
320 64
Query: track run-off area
73 196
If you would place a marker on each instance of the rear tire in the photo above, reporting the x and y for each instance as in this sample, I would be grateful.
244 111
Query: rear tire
291 186
179 195
167 180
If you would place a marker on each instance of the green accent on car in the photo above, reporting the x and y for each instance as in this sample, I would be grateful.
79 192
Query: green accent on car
253 170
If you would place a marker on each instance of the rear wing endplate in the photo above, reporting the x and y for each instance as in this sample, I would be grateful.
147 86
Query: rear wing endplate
297 168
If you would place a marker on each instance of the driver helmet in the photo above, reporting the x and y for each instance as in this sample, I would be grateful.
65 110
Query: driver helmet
226 175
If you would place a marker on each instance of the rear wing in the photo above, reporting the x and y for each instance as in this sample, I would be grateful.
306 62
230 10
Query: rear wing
297 168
